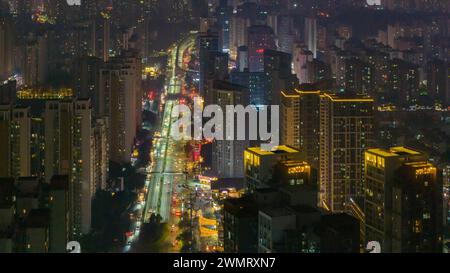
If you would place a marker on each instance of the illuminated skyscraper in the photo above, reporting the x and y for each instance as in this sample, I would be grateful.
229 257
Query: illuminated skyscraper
346 130
417 209
380 168
299 122
403 201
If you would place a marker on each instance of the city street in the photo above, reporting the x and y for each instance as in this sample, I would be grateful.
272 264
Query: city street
167 167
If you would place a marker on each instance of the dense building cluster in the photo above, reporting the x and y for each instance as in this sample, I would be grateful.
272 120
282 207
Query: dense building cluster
362 88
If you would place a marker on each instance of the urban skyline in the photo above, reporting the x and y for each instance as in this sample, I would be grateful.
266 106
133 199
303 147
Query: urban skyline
224 126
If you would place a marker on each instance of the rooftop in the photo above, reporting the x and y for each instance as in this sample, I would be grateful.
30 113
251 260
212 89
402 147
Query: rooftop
294 163
348 98
278 150
304 90
420 165
393 152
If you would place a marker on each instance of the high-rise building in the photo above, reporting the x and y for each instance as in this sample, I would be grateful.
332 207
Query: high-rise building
311 35
301 57
60 213
339 233
285 33
216 69
264 86
318 71
242 59
300 122
277 66
259 164
403 210
272 222
208 43
35 61
34 233
346 130
358 76
7 214
106 37
100 157
260 38
238 34
68 151
15 135
119 100
8 92
403 82
28 195
256 82
380 168
224 20
89 8
86 78
240 225
417 209
20 142
228 155
6 48
438 81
